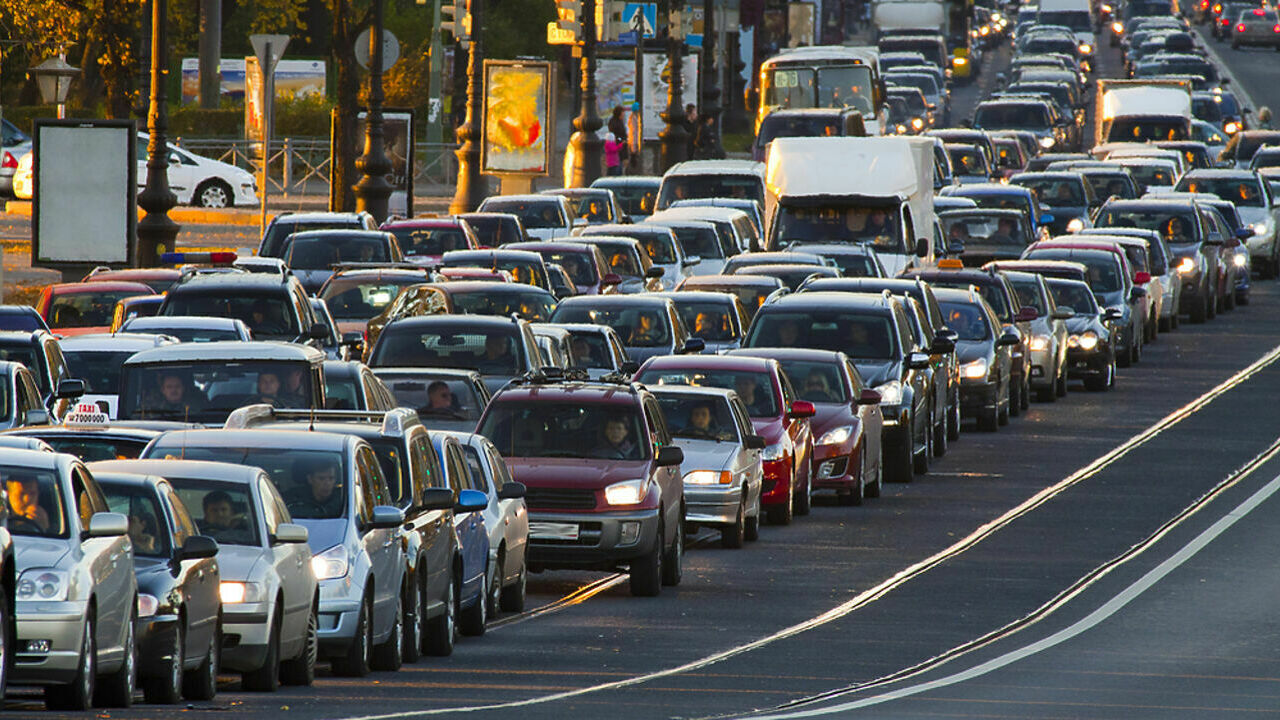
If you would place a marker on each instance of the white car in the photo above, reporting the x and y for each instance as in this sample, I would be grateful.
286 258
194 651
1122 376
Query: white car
22 184
97 358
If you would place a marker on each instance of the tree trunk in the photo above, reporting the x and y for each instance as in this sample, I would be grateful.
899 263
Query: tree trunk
342 172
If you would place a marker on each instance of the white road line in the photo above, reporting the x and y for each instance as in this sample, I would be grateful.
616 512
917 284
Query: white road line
884 587
1243 95
1106 610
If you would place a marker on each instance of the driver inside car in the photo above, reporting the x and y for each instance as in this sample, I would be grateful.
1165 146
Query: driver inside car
24 502
701 421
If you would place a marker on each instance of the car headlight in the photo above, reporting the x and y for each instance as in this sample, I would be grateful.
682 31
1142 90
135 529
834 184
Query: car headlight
1086 48
1088 340
1075 225
976 370
43 584
332 563
1046 142
1259 228
627 492
890 393
1240 260
1039 342
708 477
239 592
773 453
917 123
147 605
1186 266
835 436
902 129
1106 8
960 62
1231 128
1117 28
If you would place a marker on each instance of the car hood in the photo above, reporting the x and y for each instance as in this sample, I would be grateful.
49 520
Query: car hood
828 416
581 473
700 454
1251 215
32 552
324 534
1080 323
878 372
970 350
769 428
237 562
312 279
894 263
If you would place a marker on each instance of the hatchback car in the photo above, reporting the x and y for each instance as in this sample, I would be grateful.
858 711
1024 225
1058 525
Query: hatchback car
594 205
647 325
496 347
425 240
983 348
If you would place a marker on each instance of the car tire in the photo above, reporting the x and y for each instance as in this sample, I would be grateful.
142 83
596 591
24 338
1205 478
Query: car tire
1100 384
116 689
78 694
388 655
214 194
442 630
267 677
733 536
415 624
1060 384
751 530
1002 415
855 495
355 662
940 436
167 689
512 597
783 512
301 670
920 461
495 584
1200 312
900 468
646 571
471 621
804 501
202 683
673 559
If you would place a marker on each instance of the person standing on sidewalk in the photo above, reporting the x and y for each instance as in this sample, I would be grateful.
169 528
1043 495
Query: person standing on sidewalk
613 148
618 126
633 138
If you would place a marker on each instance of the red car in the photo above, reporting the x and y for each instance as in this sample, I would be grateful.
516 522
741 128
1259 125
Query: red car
159 279
84 307
777 415
425 240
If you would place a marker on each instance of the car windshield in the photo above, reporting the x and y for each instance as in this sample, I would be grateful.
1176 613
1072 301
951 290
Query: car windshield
26 355
817 382
924 82
455 346
980 229
1241 191
1107 185
85 309
533 214
362 300
1176 227
622 259
875 226
524 271
591 350
270 316
436 397
1102 271
430 241
754 387
712 185
1206 109
1076 296
966 319
322 253
776 126
91 447
147 529
1147 129
1009 115
702 241
640 325
592 207
312 482
1151 175
635 199
830 86
207 392
222 511
858 335
186 334
532 305
708 320
1029 295
539 428
579 265
968 161
1055 192
914 100
36 504
99 370
698 417
990 292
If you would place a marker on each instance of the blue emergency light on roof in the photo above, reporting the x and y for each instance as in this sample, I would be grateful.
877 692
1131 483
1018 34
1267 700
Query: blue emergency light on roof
209 258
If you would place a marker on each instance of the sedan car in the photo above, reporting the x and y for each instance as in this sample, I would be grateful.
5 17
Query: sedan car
1256 26
425 240
544 217
1068 196
718 319
1091 345
314 254
1255 204
584 263
97 359
357 295
498 348
84 307
660 243
983 348
444 399
648 326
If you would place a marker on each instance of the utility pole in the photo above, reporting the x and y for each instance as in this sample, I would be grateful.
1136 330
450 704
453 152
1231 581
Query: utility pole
709 108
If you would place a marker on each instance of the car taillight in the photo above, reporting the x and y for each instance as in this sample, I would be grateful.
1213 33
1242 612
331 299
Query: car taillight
1204 4
9 160
1275 28
1240 27
1259 12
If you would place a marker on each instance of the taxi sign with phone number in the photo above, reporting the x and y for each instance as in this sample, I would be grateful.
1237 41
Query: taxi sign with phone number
86 414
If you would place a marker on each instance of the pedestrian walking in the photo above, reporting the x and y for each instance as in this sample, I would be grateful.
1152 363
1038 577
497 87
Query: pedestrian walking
633 137
618 126
613 148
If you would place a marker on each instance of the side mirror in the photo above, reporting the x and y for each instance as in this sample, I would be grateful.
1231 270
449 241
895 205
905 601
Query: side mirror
1026 314
669 456
1137 294
1113 314
869 397
437 499
1244 233
942 345
1142 277
802 409
753 442
198 547
655 272
693 346
471 501
1063 313
386 516
691 260
922 248
611 279
1047 219
69 389
1008 338
291 533
36 417
919 361
630 367
948 333
513 491
318 331
108 524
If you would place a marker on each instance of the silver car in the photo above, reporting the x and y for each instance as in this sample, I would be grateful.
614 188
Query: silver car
723 467
660 243
269 598
77 595
597 349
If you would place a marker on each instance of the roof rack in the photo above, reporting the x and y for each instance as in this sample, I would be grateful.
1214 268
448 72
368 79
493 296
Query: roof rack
393 421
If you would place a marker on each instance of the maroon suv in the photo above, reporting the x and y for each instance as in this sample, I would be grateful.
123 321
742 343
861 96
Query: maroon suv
603 477
777 415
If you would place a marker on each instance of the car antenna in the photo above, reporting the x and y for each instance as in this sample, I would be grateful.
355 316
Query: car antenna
312 426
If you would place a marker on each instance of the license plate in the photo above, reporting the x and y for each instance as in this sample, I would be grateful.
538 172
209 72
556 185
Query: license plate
553 531
1082 365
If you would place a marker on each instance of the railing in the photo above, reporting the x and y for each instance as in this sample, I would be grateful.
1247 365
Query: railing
300 166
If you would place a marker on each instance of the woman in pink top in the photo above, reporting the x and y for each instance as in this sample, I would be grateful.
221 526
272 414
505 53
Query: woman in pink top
612 148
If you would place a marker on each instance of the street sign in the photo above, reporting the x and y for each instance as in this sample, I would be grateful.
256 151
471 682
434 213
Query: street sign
390 49
641 18
277 44
559 36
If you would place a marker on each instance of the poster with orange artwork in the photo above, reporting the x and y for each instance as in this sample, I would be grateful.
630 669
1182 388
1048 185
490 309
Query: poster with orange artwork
517 118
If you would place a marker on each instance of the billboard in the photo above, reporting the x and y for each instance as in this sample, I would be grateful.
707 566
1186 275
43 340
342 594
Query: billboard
293 77
657 72
92 166
517 115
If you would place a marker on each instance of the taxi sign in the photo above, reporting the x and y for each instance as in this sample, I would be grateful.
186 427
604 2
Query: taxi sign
950 264
87 414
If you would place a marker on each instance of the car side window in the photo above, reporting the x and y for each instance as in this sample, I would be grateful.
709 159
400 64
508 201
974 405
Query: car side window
501 476
373 484
183 526
88 496
372 398
475 471
457 470
741 419
788 393
424 466
855 378
360 489
659 421
270 511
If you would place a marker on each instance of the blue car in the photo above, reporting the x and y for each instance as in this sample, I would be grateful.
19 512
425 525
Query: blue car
1008 197
473 537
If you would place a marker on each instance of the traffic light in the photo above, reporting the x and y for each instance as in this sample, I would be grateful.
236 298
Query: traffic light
569 16
452 23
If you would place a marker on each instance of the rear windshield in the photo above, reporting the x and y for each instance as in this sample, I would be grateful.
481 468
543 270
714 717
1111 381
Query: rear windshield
579 265
1012 116
636 326
701 241
322 253
713 185
86 309
1078 20
533 214
1176 226
99 370
1242 192
495 353
776 126
754 387
858 335
420 241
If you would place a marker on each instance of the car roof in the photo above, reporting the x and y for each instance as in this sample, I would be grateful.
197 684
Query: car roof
479 322
291 439
828 299
225 350
237 280
487 286
183 321
725 394
548 245
96 286
966 295
557 199
316 217
339 233
1223 173
640 300
131 478
717 167
493 254
440 373
107 342
193 469
617 393
780 354
36 459
988 189
823 249
728 280
421 222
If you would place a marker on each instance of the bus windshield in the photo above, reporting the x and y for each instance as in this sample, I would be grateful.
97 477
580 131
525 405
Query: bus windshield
826 87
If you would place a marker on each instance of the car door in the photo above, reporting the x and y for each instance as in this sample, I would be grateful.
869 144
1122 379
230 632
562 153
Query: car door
434 527
385 554
513 512
470 525
292 563
747 462
111 560
670 480
200 587
798 428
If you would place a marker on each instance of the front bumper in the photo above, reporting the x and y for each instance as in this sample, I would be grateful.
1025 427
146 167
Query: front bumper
245 630
600 542
978 395
1261 247
1083 364
1043 368
340 600
712 504
60 623
155 644
833 467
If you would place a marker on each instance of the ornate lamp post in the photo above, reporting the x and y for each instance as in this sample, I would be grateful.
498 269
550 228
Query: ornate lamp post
373 190
674 138
156 231
709 108
470 189
585 145
53 77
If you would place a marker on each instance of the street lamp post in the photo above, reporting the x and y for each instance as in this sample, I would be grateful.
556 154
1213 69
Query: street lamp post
585 145
674 138
53 77
709 108
373 190
157 231
470 188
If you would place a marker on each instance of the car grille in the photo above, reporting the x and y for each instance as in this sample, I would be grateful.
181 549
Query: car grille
560 499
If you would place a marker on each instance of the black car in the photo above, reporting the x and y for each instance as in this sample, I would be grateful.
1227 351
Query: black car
1091 344
314 255
288 223
1067 196
122 440
179 600
275 307
981 235
40 352
984 350
647 325
498 348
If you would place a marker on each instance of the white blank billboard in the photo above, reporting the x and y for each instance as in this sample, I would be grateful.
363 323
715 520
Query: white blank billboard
85 187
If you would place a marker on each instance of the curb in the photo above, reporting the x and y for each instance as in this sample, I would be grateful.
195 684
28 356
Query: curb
191 216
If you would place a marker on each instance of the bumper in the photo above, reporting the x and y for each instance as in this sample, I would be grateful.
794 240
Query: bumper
155 644
1043 369
604 540
246 196
340 600
1192 296
777 482
60 623
833 467
1261 246
1082 364
244 636
976 396
712 504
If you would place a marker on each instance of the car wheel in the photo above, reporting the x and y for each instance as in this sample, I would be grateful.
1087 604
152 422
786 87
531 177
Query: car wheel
388 656
989 418
78 694
1200 312
646 571
513 595
804 501
202 683
301 670
415 619
267 677
1060 384
856 494
167 688
673 559
1098 384
355 663
940 436
116 690
751 529
471 621
732 536
214 194
495 585
442 630
920 461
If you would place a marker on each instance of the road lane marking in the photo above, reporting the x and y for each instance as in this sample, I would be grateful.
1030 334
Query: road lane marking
581 595
881 589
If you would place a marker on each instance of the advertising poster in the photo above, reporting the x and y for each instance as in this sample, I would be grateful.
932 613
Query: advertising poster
615 85
254 118
293 78
517 115
657 73
397 143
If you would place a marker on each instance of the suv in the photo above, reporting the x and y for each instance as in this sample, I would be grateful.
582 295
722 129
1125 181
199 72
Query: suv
42 355
603 477
275 307
496 347
288 223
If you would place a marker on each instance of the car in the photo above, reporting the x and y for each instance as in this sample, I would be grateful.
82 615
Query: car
753 290
1253 201
275 307
416 300
201 181
852 260
723 470
135 306
1160 263
711 179
703 239
498 348
526 268
984 351
1150 173
351 385
334 486
1068 196
659 242
313 255
543 217
597 350
847 424
1006 197
1047 345
1038 116
84 307
584 263
971 166
96 360
562 286
495 229
41 353
1256 27
1091 339
287 223
477 297
268 590
354 296
204 382
980 235
809 122
740 218
1137 251
425 240
635 194
793 276
87 433
776 414
21 404
75 585
603 479
189 328
592 205
1234 254
159 279
179 634
627 259
444 399
648 326
21 318
555 344
718 319
872 330
14 145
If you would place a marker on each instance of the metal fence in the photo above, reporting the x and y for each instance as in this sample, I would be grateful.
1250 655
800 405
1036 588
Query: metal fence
300 166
